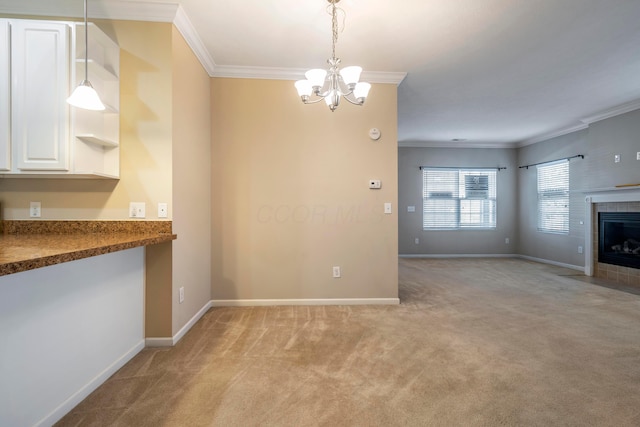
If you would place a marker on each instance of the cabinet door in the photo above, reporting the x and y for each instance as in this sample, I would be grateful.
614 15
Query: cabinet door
40 87
5 99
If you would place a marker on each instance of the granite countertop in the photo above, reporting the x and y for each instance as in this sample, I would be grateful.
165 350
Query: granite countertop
26 245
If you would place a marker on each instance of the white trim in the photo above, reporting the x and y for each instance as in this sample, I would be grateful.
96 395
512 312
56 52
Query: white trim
547 261
610 195
390 77
171 341
159 342
530 258
177 337
66 406
554 134
130 10
328 301
453 144
274 73
186 28
584 122
433 256
250 72
612 112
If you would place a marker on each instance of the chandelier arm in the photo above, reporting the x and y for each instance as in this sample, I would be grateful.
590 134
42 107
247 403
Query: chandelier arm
315 101
350 101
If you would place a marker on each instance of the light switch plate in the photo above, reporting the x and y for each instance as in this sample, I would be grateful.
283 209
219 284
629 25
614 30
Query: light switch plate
387 208
137 210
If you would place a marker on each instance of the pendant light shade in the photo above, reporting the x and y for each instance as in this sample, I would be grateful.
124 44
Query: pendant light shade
85 96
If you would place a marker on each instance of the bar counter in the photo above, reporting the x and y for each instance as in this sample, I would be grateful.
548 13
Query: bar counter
27 245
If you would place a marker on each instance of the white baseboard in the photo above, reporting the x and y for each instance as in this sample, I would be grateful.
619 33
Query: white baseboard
546 261
458 256
530 258
328 301
171 341
159 342
66 406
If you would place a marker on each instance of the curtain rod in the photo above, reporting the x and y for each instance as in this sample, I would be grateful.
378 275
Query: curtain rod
498 168
551 161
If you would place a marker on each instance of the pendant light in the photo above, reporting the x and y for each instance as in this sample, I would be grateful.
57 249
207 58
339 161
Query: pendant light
85 96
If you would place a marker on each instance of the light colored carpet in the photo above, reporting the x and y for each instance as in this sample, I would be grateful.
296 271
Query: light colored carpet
475 342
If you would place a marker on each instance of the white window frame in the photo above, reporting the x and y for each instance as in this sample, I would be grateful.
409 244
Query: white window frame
451 202
553 197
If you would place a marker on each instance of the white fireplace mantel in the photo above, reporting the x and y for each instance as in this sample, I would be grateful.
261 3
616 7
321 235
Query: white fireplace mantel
608 195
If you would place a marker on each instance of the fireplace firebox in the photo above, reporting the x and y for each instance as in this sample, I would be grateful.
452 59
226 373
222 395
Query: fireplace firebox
619 238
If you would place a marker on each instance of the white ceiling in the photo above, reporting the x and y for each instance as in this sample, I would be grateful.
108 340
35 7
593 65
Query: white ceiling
492 72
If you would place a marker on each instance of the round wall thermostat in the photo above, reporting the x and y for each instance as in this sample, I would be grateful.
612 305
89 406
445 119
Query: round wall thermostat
374 133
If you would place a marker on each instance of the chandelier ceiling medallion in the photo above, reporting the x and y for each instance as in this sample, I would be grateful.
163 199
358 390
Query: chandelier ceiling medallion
335 83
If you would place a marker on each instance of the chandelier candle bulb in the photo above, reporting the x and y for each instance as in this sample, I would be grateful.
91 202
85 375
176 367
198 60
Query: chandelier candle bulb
334 84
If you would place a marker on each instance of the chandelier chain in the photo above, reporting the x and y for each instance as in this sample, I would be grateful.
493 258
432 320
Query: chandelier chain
334 28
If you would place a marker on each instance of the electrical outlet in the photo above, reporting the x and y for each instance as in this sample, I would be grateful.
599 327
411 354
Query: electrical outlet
417 241
162 210
387 208
34 209
336 272
137 210
579 249
638 155
616 158
375 184
181 297
506 241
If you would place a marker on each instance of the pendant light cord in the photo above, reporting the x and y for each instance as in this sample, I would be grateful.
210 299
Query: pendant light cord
86 44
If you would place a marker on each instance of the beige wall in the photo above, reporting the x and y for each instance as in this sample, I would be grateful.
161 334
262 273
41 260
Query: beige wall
291 197
191 182
145 139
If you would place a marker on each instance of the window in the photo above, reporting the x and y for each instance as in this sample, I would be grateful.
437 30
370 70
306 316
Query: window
455 199
553 197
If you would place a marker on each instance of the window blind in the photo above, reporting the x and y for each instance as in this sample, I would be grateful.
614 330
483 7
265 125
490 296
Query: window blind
553 197
456 198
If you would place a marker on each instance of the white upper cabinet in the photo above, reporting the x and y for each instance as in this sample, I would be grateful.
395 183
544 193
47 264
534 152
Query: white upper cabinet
41 135
5 98
40 86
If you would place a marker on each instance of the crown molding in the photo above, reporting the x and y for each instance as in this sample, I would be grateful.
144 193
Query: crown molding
130 10
451 144
612 112
273 73
184 25
554 134
584 122
247 72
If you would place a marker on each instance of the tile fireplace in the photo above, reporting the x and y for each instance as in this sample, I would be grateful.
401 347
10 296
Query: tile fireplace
613 260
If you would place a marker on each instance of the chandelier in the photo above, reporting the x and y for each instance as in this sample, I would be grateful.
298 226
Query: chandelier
335 83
